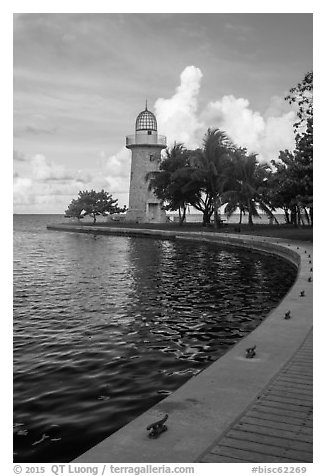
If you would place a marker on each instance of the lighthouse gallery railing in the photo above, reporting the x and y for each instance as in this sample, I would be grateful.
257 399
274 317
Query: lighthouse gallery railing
145 139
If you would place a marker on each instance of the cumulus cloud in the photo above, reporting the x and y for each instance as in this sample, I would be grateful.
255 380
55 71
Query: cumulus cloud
116 165
22 190
177 116
58 179
277 107
233 115
180 120
277 135
116 171
55 186
44 169
28 191
264 134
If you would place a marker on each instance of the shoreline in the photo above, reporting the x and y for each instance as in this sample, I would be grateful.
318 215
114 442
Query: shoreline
282 231
202 410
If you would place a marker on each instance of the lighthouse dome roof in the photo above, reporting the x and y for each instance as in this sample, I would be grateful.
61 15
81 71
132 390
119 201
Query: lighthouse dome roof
146 121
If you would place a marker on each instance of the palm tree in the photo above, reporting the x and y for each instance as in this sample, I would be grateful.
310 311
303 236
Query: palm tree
234 203
171 182
247 191
211 166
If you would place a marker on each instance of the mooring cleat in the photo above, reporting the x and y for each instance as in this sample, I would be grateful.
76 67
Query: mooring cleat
155 429
302 293
309 279
250 352
287 315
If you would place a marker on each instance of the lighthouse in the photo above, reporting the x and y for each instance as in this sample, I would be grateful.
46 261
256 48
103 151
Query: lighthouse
146 146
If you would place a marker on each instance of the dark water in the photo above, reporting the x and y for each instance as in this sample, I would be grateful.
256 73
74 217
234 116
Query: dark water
105 327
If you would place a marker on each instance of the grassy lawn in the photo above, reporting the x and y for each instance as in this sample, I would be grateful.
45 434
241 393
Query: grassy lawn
290 232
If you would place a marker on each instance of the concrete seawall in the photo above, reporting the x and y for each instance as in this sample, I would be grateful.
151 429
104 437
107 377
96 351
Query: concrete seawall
205 407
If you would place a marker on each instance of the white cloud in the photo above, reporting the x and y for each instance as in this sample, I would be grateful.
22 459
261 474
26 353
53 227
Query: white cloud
177 116
117 165
116 172
278 135
179 120
21 190
54 186
44 169
277 107
234 117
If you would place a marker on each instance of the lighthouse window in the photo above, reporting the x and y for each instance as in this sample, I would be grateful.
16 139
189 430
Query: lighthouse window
149 133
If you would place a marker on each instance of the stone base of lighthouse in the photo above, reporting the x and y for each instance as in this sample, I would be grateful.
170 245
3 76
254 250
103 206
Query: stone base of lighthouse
144 206
152 213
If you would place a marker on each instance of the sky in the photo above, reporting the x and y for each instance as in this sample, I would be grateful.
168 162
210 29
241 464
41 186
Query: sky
80 80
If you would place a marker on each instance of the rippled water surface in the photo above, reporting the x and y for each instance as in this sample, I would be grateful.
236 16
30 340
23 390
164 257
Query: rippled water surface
105 327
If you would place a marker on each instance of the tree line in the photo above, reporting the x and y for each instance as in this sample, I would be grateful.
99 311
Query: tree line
223 174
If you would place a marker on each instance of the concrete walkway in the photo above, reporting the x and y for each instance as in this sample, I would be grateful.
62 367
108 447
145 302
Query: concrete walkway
277 427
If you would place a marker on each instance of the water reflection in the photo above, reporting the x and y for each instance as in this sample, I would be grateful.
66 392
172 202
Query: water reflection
106 327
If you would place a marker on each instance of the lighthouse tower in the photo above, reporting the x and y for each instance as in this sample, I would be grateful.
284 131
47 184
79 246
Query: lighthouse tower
146 146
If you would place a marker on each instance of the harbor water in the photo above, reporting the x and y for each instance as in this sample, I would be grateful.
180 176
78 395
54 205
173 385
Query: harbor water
106 326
